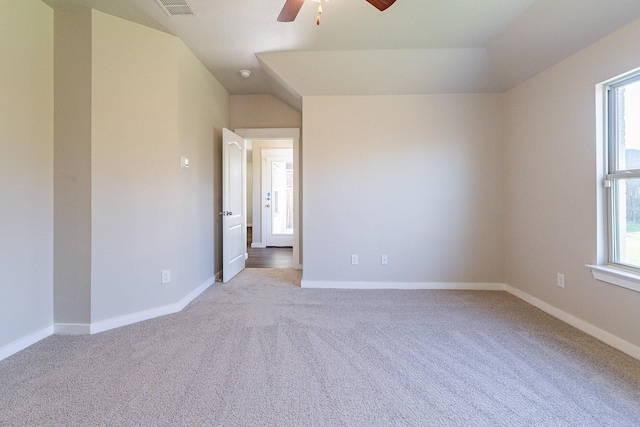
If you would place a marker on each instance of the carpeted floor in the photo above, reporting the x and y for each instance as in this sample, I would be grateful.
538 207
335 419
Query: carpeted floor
260 351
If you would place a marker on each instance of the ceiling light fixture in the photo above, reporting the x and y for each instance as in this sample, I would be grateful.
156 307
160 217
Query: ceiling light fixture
245 73
319 10
292 7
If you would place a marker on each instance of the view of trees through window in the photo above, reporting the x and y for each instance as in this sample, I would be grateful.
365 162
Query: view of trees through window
627 197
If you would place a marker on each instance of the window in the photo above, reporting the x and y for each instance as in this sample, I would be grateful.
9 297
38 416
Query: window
623 171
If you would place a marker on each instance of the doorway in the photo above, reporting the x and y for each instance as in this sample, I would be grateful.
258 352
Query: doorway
273 197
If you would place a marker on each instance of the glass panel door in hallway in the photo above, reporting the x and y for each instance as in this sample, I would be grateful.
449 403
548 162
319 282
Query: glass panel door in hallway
279 201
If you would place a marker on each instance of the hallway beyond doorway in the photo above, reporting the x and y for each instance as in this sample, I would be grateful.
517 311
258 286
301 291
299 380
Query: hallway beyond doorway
268 257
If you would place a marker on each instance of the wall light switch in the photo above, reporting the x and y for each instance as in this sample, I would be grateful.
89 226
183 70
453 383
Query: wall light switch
354 259
166 276
561 280
184 162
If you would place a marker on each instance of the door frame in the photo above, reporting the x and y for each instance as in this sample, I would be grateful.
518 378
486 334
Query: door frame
258 135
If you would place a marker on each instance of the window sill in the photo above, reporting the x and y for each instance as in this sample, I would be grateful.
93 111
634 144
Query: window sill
616 276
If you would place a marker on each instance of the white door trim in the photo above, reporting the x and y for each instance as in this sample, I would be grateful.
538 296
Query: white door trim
292 134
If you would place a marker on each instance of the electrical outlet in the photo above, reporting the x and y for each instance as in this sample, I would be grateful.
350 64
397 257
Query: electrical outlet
383 260
354 259
561 280
166 276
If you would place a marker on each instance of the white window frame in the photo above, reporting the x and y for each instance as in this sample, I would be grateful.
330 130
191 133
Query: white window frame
614 271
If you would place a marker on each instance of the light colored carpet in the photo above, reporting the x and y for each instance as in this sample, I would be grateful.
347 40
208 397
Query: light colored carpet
260 351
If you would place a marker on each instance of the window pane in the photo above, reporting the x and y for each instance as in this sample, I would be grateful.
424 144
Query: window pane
627 221
628 126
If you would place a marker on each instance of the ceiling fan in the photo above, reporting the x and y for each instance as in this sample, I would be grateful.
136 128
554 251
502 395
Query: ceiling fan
292 7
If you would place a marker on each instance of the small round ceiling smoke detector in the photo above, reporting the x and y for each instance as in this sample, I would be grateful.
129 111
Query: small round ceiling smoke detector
245 73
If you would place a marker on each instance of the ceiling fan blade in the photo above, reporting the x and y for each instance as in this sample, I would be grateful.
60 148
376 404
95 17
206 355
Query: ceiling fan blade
290 10
381 4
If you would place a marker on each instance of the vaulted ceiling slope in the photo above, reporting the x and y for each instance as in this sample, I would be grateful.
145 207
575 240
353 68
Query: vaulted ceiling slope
414 47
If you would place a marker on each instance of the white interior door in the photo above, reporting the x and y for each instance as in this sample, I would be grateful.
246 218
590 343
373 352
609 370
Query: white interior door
278 200
234 241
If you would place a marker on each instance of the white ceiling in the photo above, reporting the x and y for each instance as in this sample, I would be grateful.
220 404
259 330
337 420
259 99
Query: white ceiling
414 47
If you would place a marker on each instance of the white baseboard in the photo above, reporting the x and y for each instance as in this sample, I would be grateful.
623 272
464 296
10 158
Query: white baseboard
22 343
128 319
604 336
321 284
76 329
104 325
258 245
72 328
196 292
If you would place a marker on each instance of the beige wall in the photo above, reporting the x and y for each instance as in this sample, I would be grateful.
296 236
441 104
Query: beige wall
203 110
129 101
553 165
135 168
152 102
142 100
418 178
26 169
72 167
262 111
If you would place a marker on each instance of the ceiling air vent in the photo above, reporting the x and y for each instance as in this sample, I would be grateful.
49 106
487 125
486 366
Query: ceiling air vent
176 7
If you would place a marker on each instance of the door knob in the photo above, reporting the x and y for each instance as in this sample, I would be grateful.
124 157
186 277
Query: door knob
267 206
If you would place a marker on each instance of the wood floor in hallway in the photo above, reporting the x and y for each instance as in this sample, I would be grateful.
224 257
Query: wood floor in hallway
268 257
